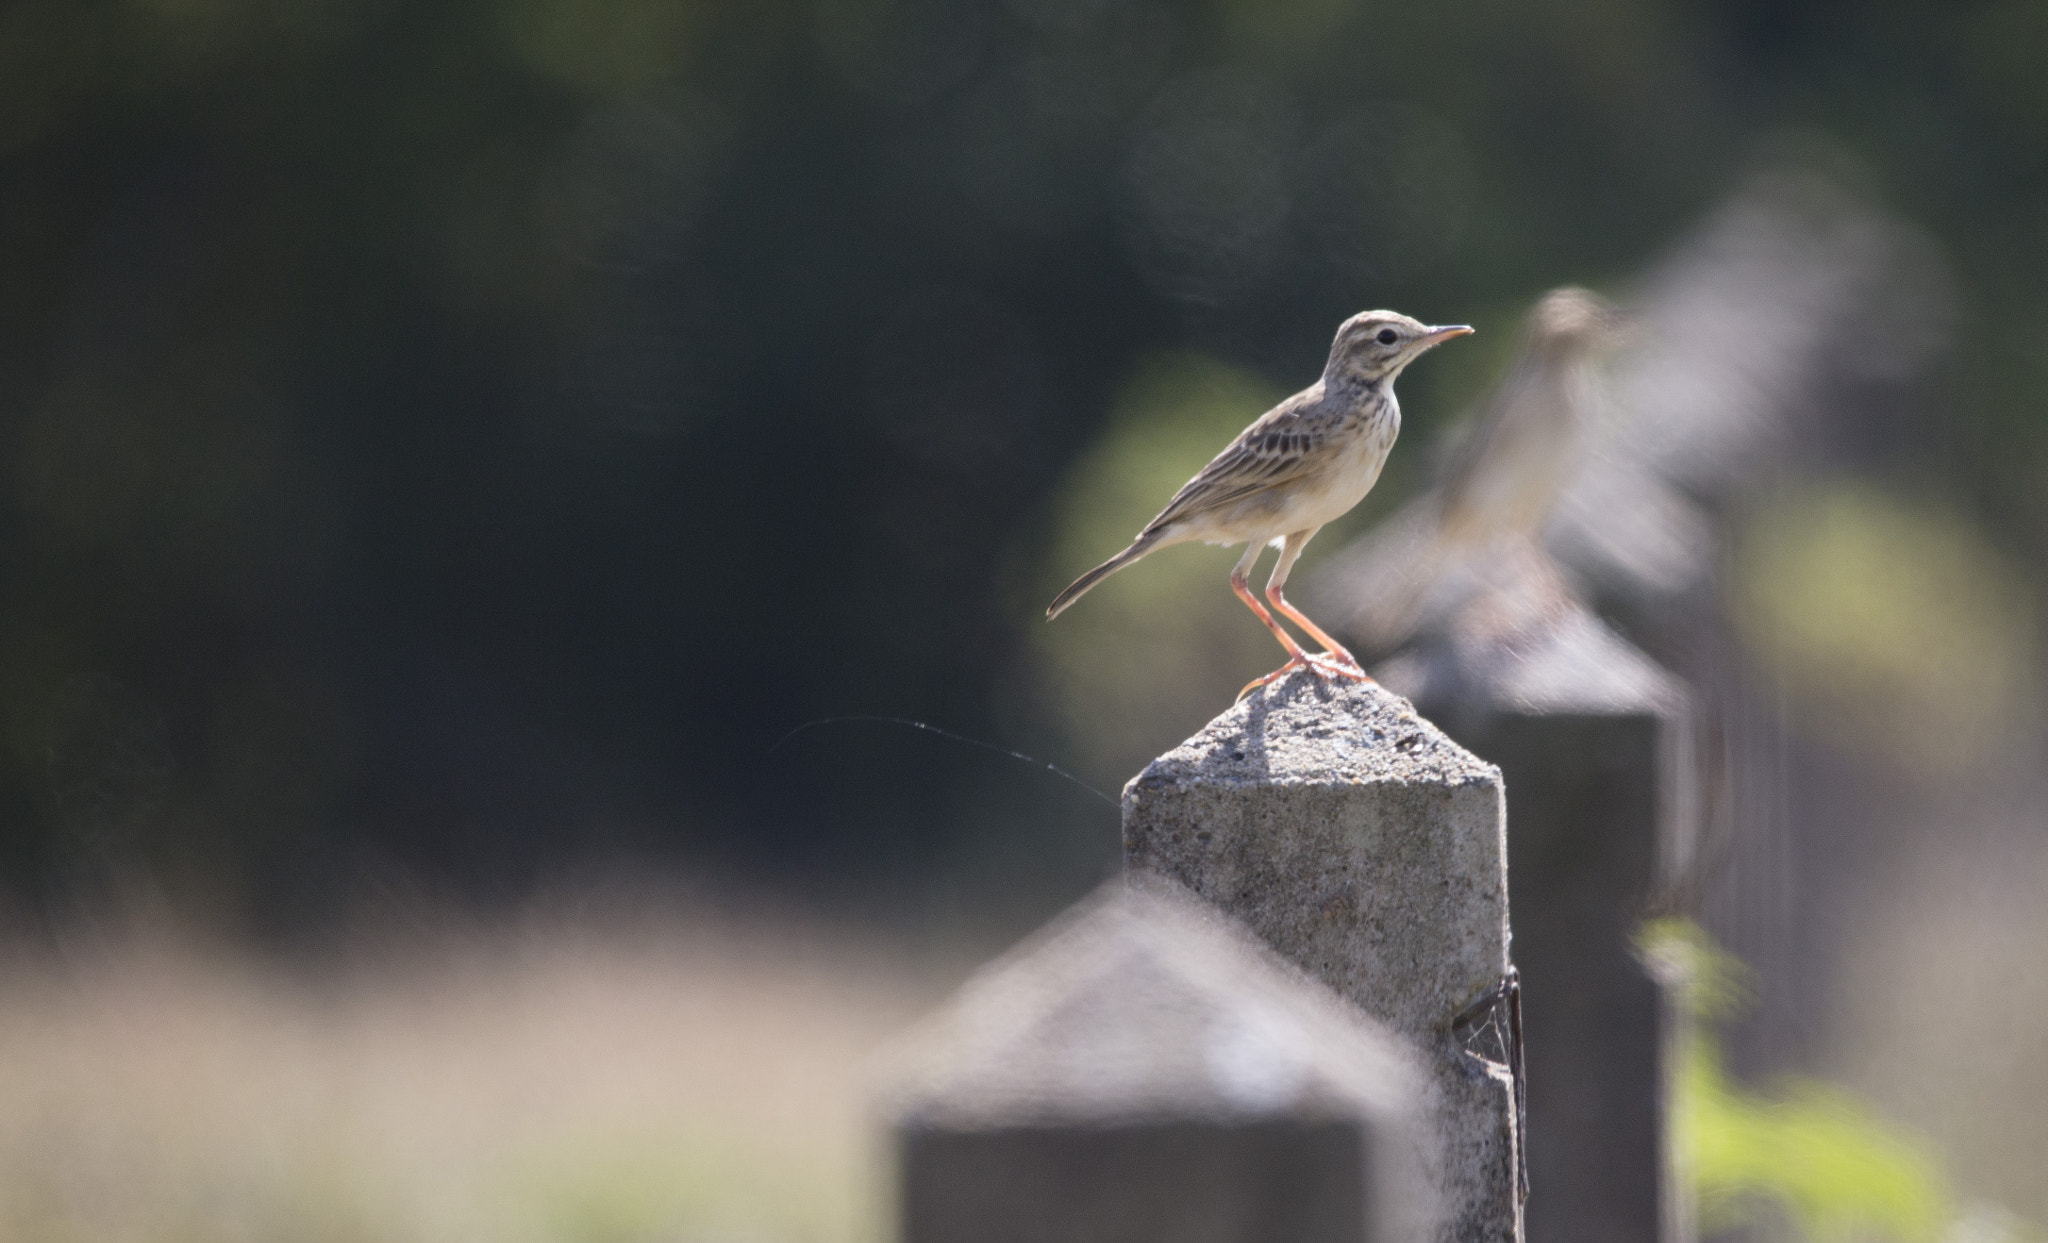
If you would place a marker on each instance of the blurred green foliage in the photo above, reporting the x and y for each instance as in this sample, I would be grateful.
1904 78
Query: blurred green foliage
446 439
1145 658
1858 603
1805 1154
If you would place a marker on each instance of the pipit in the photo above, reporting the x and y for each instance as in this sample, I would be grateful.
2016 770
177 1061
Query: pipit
1508 471
1469 556
1302 463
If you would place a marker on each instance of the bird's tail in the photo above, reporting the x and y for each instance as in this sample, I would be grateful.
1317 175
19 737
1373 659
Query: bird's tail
1096 575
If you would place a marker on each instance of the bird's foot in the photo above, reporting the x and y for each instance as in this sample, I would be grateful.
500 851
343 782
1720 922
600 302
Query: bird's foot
1340 663
1322 664
1275 676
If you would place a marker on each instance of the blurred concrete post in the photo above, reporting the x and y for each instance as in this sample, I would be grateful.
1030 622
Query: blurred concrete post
1364 845
1591 739
1142 1071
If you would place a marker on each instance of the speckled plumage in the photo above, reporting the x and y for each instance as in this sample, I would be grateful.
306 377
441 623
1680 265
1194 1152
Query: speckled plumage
1303 463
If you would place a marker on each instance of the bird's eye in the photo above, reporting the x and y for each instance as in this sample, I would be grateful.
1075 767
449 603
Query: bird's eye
1387 336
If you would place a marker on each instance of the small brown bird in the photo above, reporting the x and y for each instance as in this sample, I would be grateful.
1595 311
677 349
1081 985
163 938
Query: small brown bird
1508 471
1304 462
1470 550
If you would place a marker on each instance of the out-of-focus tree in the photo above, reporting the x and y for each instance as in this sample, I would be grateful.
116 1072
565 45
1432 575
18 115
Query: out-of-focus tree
447 438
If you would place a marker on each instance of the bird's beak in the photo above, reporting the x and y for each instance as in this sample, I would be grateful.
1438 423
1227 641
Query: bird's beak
1437 336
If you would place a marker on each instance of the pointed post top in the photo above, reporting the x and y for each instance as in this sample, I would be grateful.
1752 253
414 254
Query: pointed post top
1310 731
1143 1004
1573 663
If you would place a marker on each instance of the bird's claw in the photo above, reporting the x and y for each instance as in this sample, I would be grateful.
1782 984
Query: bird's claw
1343 664
1323 664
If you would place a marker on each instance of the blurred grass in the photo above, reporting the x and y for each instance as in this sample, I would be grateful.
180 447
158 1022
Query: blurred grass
1805 1153
687 1078
691 1081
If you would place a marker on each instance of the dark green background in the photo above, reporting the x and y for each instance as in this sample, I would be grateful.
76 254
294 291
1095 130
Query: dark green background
448 442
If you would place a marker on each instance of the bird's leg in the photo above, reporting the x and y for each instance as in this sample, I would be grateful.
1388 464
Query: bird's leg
1344 663
1239 583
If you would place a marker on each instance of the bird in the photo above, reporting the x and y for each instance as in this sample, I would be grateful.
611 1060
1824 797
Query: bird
1301 464
1475 537
1507 473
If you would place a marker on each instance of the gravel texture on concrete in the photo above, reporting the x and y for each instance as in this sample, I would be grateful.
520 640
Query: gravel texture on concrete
1306 730
1351 834
1365 846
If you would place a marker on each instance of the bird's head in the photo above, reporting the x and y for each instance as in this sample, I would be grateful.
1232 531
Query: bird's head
1573 322
1372 347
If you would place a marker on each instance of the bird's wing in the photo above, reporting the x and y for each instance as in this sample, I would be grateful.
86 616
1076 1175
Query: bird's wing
1285 444
1506 474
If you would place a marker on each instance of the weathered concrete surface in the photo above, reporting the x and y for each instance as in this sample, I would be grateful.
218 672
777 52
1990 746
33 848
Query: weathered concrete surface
1144 1070
1361 843
1592 740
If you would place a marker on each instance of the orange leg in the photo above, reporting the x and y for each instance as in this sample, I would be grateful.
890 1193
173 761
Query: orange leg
1335 660
1296 657
1334 648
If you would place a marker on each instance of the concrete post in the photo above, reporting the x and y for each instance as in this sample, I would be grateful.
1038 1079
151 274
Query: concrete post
1362 844
1591 738
1142 1071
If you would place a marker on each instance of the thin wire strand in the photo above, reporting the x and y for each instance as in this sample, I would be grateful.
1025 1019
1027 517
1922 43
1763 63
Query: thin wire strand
1055 769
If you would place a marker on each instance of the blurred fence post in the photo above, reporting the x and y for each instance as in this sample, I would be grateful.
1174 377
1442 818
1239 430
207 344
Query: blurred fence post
1365 846
1142 1071
1592 741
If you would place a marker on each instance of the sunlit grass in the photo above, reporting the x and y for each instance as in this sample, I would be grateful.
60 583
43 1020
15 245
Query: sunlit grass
675 1080
691 1082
